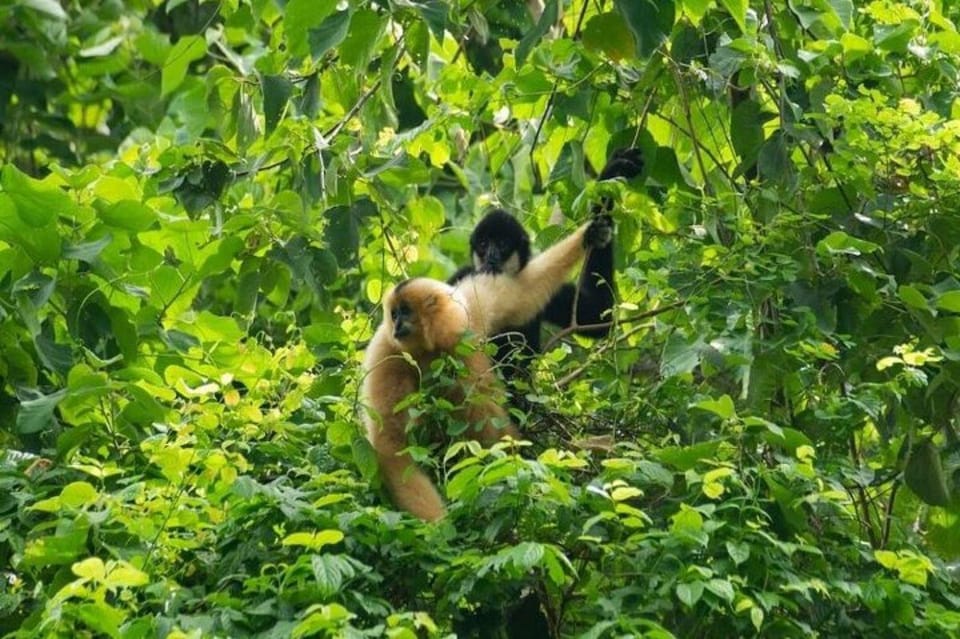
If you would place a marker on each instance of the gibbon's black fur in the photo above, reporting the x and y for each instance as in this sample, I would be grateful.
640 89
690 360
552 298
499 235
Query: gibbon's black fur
500 244
424 319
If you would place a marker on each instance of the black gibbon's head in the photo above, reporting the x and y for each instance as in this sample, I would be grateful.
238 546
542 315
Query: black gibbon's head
422 317
499 244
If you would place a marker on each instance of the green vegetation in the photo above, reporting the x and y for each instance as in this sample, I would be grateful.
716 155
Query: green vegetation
201 203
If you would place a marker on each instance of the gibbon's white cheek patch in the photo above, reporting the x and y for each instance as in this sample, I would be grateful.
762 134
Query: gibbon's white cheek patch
512 266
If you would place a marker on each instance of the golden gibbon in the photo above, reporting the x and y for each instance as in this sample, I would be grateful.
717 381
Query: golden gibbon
425 318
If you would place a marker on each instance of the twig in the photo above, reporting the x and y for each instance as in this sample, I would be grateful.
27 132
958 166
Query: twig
559 335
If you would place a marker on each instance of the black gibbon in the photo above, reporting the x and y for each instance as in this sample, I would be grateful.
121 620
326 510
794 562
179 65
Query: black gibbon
499 244
424 318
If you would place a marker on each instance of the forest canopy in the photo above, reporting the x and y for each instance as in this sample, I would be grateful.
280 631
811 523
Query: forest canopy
203 202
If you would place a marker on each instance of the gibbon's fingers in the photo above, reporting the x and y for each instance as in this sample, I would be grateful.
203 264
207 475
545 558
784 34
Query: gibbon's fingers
599 232
409 486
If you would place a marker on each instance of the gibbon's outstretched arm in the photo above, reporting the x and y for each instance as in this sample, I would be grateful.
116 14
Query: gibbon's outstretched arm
500 245
497 301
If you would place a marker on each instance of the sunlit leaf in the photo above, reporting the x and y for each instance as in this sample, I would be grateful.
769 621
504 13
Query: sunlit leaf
186 50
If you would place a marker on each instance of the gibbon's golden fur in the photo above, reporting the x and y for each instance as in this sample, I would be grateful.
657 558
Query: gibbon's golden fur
425 318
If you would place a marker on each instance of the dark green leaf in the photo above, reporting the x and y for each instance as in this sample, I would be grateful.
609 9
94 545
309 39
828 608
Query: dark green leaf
547 19
434 13
87 251
608 33
650 21
36 413
329 34
277 90
924 474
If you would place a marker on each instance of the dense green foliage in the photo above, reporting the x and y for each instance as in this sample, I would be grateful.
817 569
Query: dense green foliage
202 202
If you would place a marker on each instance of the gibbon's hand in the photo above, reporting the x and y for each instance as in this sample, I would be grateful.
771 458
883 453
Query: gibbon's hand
626 163
600 232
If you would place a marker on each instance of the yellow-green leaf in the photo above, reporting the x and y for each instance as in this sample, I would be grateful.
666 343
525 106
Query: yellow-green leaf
313 540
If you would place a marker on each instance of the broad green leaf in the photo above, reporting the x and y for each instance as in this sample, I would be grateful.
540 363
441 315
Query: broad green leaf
220 262
739 552
185 51
363 37
313 540
365 457
122 575
427 214
173 462
342 231
924 474
299 17
911 567
607 32
685 458
323 333
56 550
855 47
686 520
622 493
465 479
721 588
38 204
331 572
434 13
689 593
650 21
51 8
722 407
325 620
87 251
113 189
913 297
526 555
547 19
91 568
36 415
277 90
329 34
738 11
128 214
840 243
696 9
78 494
949 301
845 11
101 617
40 244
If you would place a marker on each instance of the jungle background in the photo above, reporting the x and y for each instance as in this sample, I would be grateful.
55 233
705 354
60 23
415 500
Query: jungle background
202 203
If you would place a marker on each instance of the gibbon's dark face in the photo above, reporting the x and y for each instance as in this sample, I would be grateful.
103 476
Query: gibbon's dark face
403 315
499 244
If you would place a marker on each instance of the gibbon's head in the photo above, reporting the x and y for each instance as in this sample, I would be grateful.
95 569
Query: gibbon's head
422 317
499 244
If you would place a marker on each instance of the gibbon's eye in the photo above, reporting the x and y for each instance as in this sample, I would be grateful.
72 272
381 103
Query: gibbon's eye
482 247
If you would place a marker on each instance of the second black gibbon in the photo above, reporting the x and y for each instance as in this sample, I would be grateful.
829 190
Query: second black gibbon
424 319
499 244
